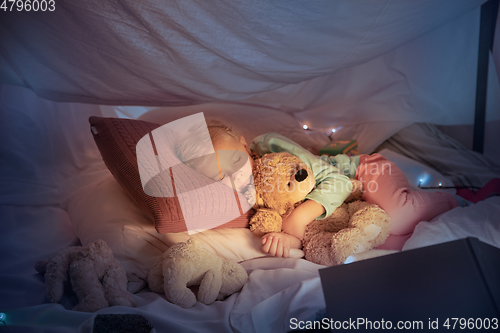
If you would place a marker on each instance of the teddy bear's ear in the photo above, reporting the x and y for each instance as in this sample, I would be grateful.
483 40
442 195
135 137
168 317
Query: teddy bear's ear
265 221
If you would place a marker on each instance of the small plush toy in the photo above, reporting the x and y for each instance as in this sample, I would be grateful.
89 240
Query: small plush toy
189 264
96 277
352 228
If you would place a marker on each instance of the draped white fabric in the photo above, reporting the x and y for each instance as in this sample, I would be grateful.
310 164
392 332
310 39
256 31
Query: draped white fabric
189 51
367 66
430 79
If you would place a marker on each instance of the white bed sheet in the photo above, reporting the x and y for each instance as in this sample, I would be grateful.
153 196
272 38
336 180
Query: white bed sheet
481 220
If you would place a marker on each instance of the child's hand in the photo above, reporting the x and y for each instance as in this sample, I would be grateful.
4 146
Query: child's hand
278 244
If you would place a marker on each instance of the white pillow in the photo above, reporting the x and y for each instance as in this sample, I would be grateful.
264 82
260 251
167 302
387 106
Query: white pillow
250 121
478 220
103 210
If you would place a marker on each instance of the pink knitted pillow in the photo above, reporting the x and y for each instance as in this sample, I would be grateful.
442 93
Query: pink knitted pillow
116 139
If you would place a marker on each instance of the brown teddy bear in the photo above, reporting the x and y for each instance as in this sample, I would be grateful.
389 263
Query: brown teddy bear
96 277
189 264
354 227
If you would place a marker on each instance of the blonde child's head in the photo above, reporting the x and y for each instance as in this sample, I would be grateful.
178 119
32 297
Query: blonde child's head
231 149
195 143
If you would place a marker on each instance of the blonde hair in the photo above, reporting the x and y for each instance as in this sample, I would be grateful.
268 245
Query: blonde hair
196 143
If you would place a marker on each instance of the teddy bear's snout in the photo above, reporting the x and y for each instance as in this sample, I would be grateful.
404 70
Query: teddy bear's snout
301 175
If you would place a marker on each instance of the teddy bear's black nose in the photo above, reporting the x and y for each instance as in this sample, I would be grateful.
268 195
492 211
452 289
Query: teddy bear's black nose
301 175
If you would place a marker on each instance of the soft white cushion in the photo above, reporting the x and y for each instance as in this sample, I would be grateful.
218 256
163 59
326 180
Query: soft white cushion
103 210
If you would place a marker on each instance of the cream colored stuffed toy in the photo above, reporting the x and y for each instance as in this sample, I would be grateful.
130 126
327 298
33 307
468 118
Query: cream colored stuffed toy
96 277
352 228
189 264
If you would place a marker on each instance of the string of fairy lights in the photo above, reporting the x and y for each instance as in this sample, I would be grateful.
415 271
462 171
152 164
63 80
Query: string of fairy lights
423 180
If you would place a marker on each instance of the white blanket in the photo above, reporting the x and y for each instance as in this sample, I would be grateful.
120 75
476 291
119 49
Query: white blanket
481 220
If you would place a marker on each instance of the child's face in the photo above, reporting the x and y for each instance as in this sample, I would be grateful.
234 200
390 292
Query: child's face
233 158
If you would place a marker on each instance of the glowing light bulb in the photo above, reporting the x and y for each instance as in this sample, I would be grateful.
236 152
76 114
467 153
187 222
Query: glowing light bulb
334 130
440 184
305 127
2 316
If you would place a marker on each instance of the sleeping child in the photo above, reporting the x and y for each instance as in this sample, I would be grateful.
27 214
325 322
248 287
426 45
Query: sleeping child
383 182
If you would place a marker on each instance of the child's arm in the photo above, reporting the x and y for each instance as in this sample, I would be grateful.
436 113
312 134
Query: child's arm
294 225
332 188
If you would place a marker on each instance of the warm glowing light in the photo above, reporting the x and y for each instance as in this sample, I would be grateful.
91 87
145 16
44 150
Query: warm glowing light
305 127
334 130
